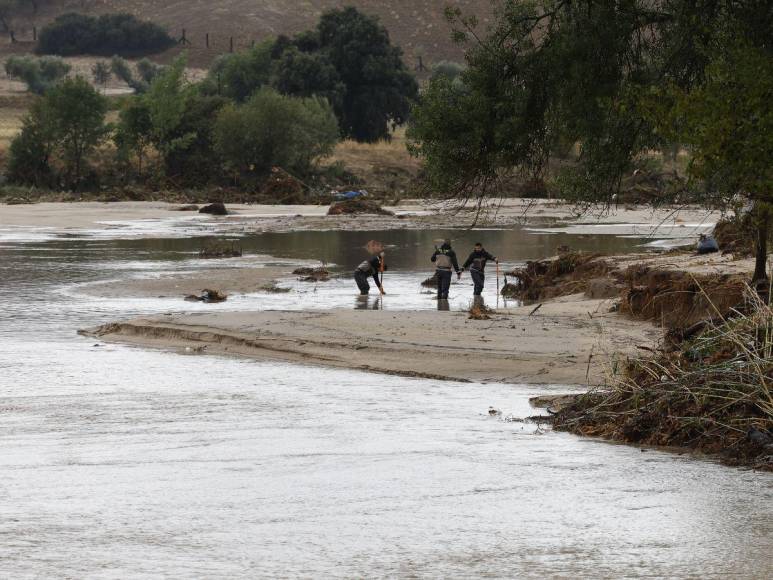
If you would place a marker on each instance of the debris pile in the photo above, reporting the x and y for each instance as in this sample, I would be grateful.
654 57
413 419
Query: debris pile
207 296
281 187
567 274
713 393
357 206
479 312
221 249
318 274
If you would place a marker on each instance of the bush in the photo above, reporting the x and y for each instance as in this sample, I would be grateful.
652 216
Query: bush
122 34
147 72
275 130
40 74
448 69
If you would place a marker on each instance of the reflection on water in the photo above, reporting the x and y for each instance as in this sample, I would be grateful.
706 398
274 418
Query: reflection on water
124 462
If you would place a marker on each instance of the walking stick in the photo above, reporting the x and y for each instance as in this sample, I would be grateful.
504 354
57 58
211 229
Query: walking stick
381 269
497 263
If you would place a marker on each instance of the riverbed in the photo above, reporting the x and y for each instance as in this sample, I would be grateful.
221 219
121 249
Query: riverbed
126 462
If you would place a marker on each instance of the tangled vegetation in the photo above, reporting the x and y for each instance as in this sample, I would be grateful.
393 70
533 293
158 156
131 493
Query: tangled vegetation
713 393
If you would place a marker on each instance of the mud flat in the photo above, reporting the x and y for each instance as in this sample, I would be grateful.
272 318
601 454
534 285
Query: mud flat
566 342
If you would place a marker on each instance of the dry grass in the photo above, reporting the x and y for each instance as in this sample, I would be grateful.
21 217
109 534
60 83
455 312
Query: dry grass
714 393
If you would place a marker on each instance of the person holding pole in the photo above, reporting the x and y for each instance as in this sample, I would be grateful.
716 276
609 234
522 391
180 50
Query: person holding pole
477 265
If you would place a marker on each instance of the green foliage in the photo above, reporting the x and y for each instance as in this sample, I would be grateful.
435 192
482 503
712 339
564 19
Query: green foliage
182 120
348 60
305 74
78 113
239 75
30 152
68 123
40 74
106 35
275 130
379 89
134 131
147 72
448 69
551 73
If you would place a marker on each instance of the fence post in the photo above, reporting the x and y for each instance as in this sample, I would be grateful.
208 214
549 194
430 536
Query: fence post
207 39
35 33
13 37
184 39
231 48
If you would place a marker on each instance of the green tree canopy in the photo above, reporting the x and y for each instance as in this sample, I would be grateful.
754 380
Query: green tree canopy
67 123
271 130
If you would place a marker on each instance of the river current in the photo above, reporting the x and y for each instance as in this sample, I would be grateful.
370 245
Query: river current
123 462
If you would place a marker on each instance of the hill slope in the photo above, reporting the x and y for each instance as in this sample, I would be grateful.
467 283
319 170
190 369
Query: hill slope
418 26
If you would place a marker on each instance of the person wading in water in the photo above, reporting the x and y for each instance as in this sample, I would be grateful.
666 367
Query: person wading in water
444 259
370 268
477 265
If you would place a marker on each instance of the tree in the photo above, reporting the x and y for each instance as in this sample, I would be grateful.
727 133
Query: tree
67 124
727 122
305 74
40 74
271 130
552 72
182 120
101 73
378 88
29 156
237 76
134 132
78 113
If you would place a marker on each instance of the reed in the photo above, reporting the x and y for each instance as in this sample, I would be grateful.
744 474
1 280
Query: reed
712 392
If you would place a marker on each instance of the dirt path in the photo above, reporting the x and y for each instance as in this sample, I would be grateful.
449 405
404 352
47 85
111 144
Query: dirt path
553 346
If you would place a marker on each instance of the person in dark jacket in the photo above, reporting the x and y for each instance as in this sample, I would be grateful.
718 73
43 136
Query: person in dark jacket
444 259
477 265
368 268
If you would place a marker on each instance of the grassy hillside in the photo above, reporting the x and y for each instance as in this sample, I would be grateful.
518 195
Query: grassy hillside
419 26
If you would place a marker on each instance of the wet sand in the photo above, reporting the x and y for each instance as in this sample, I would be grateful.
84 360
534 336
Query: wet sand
568 341
410 214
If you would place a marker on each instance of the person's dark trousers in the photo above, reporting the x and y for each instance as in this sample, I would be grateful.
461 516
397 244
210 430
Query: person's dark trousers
443 283
477 278
362 281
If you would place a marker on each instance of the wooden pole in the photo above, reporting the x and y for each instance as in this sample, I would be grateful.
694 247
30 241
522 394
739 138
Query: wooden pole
207 39
231 47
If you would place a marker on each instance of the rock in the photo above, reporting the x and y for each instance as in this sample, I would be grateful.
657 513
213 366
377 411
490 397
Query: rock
217 208
494 412
599 288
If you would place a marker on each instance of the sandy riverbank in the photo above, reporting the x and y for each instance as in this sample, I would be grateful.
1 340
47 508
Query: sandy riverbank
69 218
552 346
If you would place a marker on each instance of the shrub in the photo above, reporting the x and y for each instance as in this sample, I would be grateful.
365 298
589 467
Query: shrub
147 72
448 69
275 130
40 74
106 35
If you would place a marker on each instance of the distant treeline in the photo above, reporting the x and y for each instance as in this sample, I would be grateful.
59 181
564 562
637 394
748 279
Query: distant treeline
284 103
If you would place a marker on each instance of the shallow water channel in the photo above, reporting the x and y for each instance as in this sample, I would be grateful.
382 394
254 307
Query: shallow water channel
122 462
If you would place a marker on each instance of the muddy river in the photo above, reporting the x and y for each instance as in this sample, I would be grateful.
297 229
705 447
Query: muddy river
122 462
